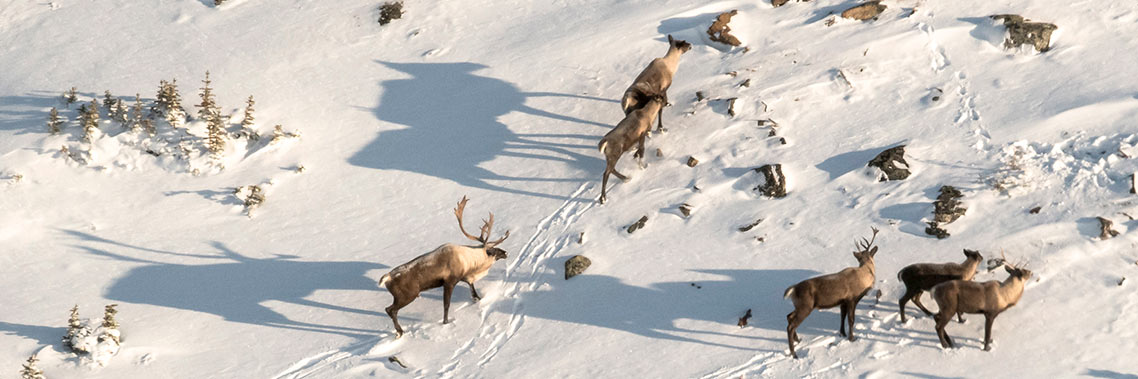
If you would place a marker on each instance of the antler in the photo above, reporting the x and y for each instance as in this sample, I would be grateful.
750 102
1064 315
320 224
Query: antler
458 214
484 232
865 244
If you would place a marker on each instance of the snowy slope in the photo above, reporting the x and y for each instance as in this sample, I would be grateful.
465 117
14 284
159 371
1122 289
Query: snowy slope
504 102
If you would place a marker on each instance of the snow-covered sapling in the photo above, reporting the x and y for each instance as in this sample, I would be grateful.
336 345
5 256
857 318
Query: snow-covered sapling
844 288
444 267
215 127
922 277
90 120
655 80
109 102
53 121
252 196
247 122
135 124
70 97
208 105
988 298
631 131
30 371
120 114
75 330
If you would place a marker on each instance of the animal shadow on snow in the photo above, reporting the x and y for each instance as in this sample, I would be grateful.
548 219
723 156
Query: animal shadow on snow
233 286
654 311
451 127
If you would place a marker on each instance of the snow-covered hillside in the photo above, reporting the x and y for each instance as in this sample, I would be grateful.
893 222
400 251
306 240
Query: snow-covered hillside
389 126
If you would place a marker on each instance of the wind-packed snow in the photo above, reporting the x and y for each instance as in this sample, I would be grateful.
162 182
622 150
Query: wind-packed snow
505 102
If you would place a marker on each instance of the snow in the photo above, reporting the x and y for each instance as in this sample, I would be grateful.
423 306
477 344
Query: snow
504 103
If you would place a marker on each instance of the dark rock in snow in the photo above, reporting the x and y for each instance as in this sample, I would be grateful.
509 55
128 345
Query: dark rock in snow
637 225
720 32
865 11
389 11
1107 232
692 161
946 210
774 181
686 209
1035 210
892 164
1022 31
576 265
947 205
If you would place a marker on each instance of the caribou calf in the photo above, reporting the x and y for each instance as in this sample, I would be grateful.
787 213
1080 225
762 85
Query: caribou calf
630 132
921 277
844 288
988 298
444 266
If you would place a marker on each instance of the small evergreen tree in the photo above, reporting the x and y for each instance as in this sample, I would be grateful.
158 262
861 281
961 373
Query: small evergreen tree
30 370
148 126
247 122
120 114
109 103
216 139
208 104
109 321
175 114
53 121
91 121
70 97
135 124
74 328
161 102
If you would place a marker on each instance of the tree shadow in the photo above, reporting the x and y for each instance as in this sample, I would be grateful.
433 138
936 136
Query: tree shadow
28 113
43 335
237 287
452 127
654 311
1108 374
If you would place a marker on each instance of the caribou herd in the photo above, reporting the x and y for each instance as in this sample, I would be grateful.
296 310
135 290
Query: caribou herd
643 102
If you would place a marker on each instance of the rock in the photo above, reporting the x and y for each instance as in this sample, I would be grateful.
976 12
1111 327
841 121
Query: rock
686 209
731 106
865 11
581 238
750 226
576 265
1107 232
1021 31
774 181
637 225
746 83
659 153
947 205
720 32
692 161
389 11
1035 210
892 164
394 359
1133 183
699 96
934 229
946 210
